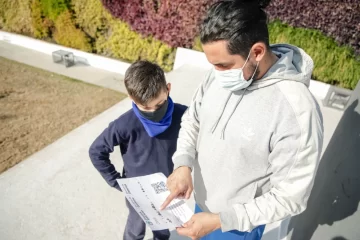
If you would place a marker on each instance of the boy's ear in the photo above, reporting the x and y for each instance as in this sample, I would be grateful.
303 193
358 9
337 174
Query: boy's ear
168 87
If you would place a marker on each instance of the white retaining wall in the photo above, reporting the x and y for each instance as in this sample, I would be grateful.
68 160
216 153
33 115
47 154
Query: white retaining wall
183 56
96 61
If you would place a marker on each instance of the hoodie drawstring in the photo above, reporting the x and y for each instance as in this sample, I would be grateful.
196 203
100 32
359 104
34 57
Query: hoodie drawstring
218 120
227 121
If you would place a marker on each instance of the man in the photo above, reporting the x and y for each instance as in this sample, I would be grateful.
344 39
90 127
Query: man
253 133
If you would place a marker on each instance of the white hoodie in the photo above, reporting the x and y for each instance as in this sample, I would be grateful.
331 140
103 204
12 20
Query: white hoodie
254 152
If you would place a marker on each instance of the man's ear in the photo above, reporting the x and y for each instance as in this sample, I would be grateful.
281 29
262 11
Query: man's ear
168 87
259 51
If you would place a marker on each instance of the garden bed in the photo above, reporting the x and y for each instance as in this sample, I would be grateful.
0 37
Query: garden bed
38 107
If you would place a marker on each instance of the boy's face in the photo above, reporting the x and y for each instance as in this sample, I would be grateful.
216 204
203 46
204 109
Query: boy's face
156 103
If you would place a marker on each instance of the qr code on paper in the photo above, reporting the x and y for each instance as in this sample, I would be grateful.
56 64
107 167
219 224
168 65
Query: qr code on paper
159 187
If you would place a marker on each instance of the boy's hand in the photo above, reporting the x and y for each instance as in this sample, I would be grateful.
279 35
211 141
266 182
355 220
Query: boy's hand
179 184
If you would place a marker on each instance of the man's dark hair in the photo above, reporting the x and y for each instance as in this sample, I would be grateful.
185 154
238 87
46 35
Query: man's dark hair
240 22
144 81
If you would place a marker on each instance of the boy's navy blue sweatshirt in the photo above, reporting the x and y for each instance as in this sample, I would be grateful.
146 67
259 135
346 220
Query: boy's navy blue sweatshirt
141 153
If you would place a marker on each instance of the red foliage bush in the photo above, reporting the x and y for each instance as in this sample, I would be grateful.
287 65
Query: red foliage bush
174 22
339 19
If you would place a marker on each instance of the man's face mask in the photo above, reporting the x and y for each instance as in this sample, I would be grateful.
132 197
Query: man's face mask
158 114
233 79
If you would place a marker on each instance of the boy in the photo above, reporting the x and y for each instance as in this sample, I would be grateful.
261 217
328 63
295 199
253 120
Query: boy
147 136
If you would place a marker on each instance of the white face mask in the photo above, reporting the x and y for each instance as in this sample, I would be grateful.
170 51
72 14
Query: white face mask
233 79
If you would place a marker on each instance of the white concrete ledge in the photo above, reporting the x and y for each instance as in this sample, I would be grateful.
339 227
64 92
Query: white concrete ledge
93 60
196 58
183 57
186 56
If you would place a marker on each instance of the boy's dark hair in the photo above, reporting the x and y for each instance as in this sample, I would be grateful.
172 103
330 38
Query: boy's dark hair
240 22
144 81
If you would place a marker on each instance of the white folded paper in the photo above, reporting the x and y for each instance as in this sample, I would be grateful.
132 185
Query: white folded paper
146 194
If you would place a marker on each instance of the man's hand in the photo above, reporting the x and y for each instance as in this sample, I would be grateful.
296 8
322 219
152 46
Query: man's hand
200 225
179 184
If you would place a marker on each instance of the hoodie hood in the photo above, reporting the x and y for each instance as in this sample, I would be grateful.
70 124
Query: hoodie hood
294 64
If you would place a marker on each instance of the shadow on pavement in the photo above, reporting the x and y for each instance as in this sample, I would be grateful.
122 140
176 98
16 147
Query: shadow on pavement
336 192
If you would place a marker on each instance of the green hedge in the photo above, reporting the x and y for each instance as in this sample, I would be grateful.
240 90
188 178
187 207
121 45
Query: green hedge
53 8
122 43
68 35
336 65
40 24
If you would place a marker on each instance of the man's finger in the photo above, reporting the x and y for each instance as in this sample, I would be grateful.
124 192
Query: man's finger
168 200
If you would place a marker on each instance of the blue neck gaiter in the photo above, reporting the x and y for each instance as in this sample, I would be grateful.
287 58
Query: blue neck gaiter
155 128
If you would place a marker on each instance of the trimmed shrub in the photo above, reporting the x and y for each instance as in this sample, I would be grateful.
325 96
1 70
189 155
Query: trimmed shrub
40 24
15 16
337 19
173 22
68 35
114 38
91 16
333 64
123 43
44 14
53 8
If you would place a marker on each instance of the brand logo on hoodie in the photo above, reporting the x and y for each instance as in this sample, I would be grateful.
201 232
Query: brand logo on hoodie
247 133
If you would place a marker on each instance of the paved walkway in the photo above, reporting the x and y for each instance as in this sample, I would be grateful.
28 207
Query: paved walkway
56 193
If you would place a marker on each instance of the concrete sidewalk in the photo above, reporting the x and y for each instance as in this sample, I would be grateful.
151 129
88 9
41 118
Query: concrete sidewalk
81 72
57 194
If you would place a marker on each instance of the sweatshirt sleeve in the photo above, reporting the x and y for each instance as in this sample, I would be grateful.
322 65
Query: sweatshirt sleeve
100 154
189 131
293 162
